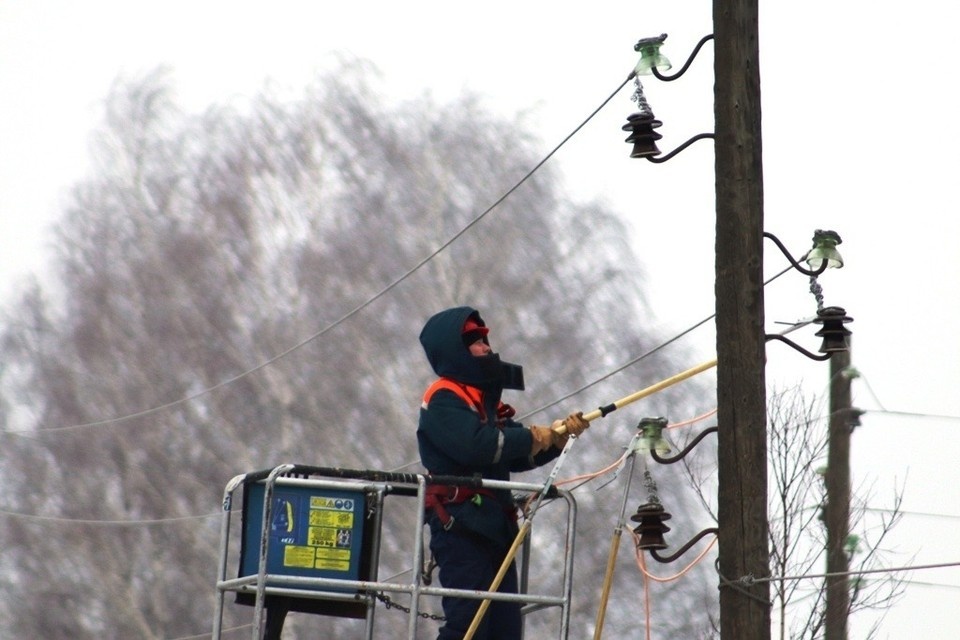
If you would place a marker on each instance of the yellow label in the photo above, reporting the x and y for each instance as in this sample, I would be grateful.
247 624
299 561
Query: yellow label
294 556
321 537
335 504
336 519
329 537
332 565
333 554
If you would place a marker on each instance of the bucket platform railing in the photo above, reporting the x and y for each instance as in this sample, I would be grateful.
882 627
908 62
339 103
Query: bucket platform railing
310 541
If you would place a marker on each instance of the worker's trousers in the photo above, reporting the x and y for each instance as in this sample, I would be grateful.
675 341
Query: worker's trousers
468 561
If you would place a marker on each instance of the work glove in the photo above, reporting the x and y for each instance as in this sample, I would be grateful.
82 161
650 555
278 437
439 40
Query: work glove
574 424
543 438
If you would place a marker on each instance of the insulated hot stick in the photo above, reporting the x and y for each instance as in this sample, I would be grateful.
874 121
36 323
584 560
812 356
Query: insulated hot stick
643 393
589 417
521 535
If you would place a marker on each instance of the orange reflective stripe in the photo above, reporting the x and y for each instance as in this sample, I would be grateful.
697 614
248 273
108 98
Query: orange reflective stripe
470 395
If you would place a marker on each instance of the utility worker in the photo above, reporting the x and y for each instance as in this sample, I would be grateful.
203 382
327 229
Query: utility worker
466 430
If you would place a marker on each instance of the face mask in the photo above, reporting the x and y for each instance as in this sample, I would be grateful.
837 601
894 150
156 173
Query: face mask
505 374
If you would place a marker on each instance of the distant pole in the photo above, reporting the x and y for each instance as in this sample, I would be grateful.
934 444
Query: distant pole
741 385
838 497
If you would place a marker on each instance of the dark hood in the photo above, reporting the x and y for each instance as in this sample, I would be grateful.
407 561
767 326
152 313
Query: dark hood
450 358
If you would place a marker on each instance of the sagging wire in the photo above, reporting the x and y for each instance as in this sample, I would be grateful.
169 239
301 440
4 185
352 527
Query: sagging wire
641 563
650 515
629 363
742 584
694 420
637 444
616 465
749 580
647 576
629 452
646 598
650 520
582 479
865 381
115 523
619 462
913 414
346 316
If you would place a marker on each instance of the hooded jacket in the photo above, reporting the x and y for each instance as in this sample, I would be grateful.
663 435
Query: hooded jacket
455 439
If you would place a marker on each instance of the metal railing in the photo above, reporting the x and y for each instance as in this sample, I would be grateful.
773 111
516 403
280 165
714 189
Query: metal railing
363 590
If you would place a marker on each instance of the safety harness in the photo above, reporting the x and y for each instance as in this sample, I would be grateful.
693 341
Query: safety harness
438 496
470 395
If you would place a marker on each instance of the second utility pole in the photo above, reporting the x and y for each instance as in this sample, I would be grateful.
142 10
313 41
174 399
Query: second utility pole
741 384
838 497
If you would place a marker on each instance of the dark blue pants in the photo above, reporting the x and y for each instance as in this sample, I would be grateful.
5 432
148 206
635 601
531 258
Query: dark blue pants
467 561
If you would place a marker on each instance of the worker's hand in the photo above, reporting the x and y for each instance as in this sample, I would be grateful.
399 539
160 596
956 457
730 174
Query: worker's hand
572 425
542 439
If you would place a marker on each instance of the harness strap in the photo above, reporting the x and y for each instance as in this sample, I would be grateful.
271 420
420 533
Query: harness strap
438 496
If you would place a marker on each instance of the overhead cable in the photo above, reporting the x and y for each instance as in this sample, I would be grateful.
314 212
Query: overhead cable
121 523
350 313
750 580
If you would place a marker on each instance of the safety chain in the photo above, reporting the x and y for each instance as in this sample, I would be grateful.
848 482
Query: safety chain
390 604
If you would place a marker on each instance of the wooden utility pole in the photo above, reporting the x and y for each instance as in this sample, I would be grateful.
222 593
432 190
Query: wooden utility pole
838 496
741 384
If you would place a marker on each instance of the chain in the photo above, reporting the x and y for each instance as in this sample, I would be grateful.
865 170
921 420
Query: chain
817 292
390 604
639 97
651 486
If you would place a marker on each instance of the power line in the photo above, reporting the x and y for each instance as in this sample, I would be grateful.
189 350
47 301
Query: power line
379 295
58 519
936 585
912 513
413 462
912 414
749 580
615 371
870 390
350 313
637 359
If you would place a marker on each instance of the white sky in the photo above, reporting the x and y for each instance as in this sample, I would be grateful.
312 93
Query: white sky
860 134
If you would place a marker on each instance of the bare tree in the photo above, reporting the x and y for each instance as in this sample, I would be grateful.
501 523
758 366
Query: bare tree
797 453
227 296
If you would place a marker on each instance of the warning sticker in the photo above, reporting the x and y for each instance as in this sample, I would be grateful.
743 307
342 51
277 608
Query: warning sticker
333 554
294 556
336 519
336 504
332 565
330 537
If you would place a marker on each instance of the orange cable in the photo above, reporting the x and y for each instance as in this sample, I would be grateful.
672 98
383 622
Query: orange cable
642 565
691 420
646 596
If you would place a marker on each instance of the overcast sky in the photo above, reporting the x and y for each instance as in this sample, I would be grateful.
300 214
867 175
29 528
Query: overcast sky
859 135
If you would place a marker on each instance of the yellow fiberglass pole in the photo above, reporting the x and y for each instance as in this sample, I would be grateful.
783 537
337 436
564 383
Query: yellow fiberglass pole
593 415
643 393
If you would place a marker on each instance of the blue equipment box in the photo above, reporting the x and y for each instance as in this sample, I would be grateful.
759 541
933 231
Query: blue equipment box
313 533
